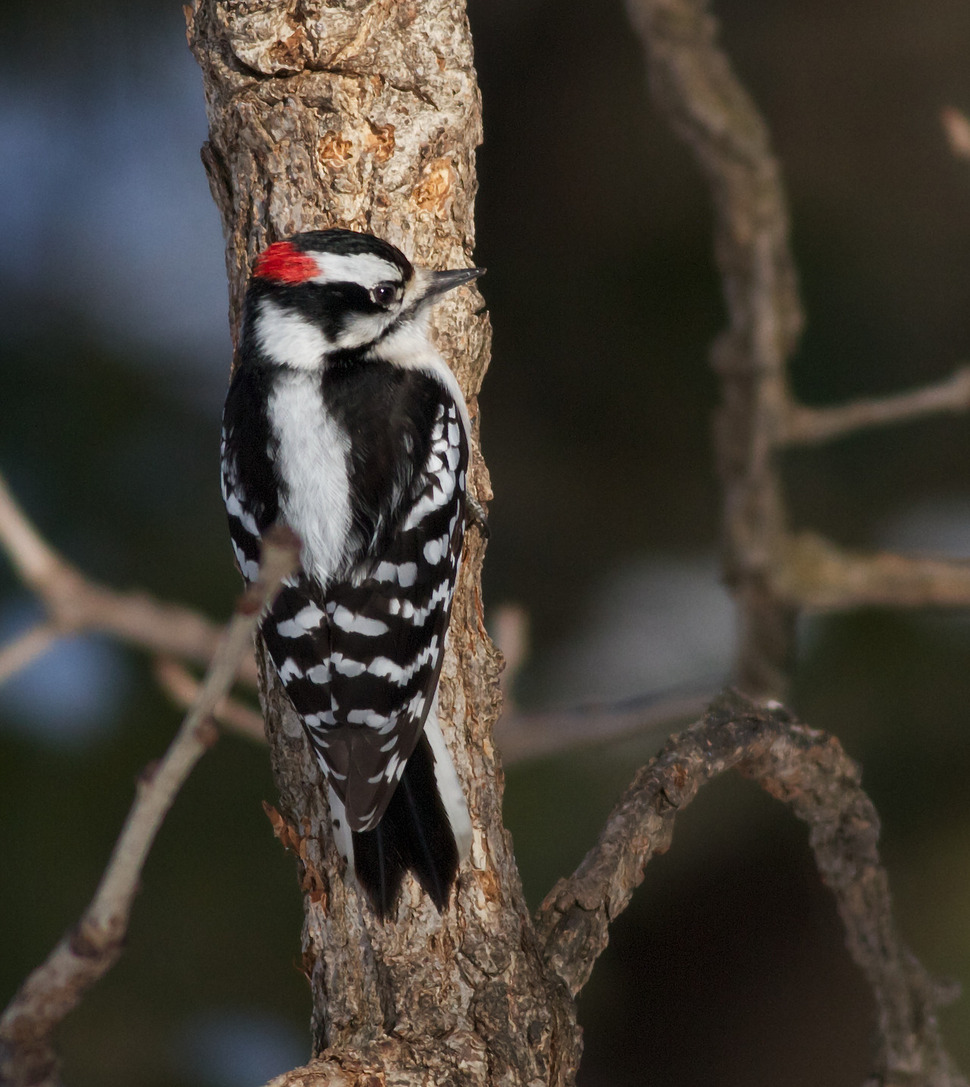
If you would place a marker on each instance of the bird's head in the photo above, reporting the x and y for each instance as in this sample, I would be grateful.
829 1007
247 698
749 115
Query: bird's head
332 291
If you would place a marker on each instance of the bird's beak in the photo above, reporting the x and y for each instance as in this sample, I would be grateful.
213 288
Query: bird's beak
440 282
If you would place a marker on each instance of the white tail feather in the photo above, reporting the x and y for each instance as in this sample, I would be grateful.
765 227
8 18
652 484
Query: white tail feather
449 787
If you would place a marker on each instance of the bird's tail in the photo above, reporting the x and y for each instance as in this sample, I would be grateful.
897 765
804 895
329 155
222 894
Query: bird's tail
425 829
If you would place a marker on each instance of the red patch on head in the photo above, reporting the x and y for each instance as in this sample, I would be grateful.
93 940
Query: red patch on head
284 263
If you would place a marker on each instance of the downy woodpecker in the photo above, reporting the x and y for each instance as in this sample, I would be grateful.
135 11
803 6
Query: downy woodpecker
345 423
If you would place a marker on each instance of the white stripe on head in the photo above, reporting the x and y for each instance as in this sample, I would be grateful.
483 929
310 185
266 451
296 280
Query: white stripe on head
367 269
288 338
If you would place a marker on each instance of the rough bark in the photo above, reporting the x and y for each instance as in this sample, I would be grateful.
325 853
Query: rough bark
366 115
808 771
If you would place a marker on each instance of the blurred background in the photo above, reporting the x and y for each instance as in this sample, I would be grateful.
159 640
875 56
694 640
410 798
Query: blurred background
595 228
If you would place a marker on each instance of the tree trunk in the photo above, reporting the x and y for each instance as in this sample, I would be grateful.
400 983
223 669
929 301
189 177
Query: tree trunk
366 115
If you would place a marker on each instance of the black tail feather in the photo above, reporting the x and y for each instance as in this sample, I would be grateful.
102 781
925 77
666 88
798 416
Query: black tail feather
378 867
413 834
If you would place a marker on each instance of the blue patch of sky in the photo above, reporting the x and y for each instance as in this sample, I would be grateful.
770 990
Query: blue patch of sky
103 198
232 1048
660 626
69 696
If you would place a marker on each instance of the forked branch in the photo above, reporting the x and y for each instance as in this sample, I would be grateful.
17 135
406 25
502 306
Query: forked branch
75 603
770 572
87 952
810 772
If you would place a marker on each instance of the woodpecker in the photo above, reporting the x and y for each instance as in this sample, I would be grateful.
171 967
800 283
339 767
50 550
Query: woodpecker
343 422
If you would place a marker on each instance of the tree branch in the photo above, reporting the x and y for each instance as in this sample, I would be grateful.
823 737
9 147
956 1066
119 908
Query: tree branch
75 603
85 954
367 117
695 87
770 572
819 576
25 648
812 426
810 772
522 736
183 688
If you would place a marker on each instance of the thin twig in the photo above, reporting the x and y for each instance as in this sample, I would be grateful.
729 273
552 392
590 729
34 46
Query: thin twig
33 558
183 688
86 953
812 426
817 575
810 772
26 648
523 736
769 572
76 603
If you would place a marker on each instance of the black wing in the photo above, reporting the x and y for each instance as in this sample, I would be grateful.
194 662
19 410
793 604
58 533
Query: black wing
360 659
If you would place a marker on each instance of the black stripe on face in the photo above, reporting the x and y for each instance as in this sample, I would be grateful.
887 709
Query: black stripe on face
247 459
329 305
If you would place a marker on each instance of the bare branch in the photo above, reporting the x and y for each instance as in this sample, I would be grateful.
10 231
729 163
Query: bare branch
772 574
34 560
75 603
520 736
183 688
88 952
694 85
523 736
368 118
26 648
812 426
818 575
809 771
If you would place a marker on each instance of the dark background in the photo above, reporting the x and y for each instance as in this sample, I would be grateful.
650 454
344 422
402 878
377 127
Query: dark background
594 226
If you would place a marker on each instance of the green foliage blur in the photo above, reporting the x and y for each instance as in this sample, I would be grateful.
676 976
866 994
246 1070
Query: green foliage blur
594 226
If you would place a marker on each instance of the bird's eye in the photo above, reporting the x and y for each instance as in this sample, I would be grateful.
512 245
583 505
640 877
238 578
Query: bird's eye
383 294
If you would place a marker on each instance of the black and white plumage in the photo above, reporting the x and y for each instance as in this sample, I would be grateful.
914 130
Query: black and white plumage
343 421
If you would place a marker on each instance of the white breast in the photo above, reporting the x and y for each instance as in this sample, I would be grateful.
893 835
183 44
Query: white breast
312 462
